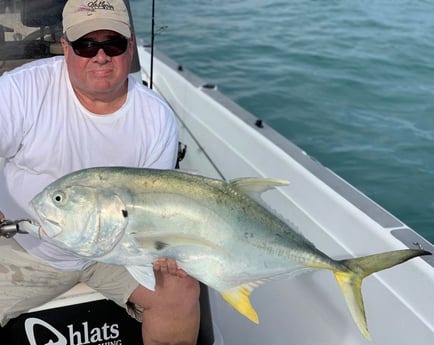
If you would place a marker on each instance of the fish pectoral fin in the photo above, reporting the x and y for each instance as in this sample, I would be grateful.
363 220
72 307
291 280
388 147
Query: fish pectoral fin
162 242
254 186
238 298
144 275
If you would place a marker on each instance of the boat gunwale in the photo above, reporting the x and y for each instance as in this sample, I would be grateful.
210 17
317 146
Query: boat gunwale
385 219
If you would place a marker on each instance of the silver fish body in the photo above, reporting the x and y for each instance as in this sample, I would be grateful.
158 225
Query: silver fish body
217 231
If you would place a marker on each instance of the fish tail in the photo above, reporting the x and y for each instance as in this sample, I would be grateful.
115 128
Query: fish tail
350 279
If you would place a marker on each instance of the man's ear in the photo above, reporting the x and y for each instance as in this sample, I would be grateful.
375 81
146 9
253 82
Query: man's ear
65 46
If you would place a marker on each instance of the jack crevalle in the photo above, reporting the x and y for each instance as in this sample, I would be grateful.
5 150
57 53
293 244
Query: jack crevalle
217 231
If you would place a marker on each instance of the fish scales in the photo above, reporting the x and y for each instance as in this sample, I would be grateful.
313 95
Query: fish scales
261 223
217 231
219 195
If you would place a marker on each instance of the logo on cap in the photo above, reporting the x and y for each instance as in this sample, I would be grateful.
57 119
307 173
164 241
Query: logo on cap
100 5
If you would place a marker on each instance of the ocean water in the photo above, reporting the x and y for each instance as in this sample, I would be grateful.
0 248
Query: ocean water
351 82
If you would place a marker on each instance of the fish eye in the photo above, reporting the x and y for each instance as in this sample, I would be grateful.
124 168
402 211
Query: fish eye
58 197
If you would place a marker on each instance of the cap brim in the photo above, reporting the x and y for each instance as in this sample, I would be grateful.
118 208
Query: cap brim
76 31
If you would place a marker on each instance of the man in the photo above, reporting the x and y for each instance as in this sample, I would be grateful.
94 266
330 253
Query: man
66 113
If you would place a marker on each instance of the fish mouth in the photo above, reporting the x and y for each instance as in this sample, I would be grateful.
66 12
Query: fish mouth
48 227
52 230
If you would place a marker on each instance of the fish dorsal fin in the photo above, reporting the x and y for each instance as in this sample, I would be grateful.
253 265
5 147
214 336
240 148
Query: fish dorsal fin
255 186
238 297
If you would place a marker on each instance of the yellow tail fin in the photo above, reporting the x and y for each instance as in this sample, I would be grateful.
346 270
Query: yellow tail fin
350 280
238 298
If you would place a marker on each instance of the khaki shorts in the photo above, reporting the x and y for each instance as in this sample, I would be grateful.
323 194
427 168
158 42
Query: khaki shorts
26 282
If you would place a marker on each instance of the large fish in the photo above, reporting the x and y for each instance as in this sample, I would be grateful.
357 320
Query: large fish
217 231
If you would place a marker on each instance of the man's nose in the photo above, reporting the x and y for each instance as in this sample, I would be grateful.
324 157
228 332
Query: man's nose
101 55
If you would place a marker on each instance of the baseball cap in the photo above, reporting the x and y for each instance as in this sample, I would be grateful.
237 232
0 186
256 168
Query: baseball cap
83 16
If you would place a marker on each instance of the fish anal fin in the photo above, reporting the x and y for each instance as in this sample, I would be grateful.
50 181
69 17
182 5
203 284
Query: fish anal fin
238 298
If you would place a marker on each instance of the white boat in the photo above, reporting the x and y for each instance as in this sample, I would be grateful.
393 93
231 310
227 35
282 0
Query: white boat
225 141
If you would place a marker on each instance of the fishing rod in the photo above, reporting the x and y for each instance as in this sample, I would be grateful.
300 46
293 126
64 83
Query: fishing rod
151 74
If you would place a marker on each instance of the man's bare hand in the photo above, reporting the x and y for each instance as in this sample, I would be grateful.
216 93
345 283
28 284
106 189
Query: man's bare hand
170 266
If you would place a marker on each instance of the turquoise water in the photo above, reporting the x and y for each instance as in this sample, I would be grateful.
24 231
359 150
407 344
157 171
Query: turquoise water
351 82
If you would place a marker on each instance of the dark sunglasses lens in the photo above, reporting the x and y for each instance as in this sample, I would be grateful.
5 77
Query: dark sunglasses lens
86 48
116 47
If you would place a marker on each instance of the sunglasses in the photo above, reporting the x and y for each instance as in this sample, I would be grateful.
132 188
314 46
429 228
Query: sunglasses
87 48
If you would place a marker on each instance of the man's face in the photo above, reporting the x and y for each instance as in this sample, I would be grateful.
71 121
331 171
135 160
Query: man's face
99 76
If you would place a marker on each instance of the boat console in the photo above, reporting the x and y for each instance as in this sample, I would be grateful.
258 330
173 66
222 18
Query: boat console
29 30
